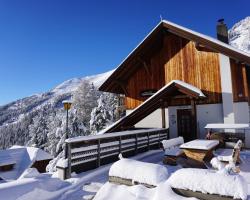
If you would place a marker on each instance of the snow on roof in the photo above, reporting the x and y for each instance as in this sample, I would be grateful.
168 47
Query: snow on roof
225 126
211 39
23 157
36 153
216 41
6 159
182 83
188 86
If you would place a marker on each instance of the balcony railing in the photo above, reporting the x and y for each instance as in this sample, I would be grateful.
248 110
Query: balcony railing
88 152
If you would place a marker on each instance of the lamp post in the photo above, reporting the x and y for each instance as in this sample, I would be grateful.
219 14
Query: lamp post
67 105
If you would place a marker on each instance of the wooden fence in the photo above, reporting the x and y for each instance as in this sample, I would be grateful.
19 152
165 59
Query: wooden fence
88 152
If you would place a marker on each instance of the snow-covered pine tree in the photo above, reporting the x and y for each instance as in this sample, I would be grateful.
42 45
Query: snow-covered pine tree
38 131
104 114
84 100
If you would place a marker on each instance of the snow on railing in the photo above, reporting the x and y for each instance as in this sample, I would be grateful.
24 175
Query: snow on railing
93 150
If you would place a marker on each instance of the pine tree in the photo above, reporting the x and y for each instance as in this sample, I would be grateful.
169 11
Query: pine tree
84 100
104 114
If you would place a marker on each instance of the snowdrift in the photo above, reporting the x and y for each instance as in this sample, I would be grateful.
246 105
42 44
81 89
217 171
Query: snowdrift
139 172
209 182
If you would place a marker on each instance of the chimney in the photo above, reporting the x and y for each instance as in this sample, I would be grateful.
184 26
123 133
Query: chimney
222 31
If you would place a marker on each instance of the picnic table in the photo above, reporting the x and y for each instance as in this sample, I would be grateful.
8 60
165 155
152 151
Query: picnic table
199 149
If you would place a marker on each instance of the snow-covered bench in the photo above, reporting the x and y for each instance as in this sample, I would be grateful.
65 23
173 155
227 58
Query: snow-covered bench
227 155
132 172
172 150
207 184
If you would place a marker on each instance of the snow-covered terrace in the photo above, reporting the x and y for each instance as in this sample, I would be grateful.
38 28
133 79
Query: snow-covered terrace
85 185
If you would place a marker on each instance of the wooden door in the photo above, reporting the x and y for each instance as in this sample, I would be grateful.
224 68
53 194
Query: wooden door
185 125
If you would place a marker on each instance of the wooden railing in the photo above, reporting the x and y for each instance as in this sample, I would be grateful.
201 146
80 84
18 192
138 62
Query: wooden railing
88 152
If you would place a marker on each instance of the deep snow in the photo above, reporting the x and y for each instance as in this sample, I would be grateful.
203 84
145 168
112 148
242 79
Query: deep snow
85 185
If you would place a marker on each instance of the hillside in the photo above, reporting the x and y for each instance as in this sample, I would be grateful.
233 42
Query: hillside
14 111
40 119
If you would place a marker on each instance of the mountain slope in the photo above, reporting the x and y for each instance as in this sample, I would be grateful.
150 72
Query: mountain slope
13 111
40 119
71 85
239 35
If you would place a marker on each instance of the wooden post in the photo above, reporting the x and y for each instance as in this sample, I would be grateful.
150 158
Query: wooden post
120 144
69 160
99 153
163 117
136 143
148 140
194 117
159 140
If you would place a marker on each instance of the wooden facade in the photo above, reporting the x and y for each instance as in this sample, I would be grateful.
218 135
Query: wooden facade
180 59
239 81
171 52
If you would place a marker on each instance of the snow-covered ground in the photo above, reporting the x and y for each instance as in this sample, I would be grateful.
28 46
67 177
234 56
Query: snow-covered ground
87 184
81 186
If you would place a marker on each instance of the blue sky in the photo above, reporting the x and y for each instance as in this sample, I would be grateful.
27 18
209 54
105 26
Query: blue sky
45 42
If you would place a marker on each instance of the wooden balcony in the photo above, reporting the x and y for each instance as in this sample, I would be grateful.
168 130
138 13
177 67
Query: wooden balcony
88 152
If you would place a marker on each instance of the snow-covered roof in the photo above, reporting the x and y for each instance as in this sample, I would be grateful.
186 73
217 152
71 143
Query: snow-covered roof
36 153
23 158
211 39
187 86
200 38
225 126
190 88
6 159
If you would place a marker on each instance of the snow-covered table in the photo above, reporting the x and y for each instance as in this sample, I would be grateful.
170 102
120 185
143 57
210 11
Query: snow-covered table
199 149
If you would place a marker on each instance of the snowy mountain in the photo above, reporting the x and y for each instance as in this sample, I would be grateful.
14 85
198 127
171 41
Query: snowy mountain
239 35
40 118
13 111
71 85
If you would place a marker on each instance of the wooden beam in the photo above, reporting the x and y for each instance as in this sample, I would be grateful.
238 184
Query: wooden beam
122 85
194 116
163 117
145 66
201 47
244 74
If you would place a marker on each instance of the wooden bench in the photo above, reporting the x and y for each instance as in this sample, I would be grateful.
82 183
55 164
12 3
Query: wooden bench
227 155
172 151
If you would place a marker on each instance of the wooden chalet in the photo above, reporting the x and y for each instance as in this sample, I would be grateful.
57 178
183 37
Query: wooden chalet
180 79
